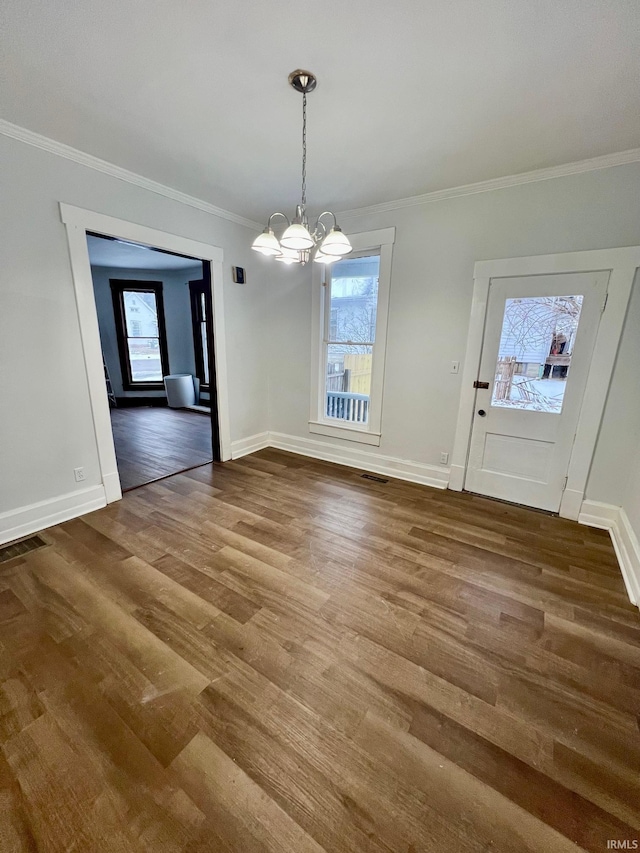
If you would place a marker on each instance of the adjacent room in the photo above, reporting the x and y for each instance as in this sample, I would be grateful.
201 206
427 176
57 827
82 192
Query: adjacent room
320 427
152 315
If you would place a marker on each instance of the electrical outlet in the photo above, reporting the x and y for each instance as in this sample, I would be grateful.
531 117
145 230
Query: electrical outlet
455 367
78 473
444 457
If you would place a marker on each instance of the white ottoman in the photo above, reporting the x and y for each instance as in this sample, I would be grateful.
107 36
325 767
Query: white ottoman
180 390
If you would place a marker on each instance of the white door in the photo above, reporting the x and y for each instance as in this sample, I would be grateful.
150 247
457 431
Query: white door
538 341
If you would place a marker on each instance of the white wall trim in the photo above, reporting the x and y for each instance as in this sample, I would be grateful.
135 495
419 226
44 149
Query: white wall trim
606 161
14 131
37 140
78 221
89 220
390 466
31 519
625 541
347 433
352 457
622 264
251 444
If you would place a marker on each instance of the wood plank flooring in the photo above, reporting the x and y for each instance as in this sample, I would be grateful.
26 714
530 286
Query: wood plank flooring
275 654
153 442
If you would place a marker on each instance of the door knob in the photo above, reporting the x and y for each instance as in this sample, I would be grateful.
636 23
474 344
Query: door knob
482 413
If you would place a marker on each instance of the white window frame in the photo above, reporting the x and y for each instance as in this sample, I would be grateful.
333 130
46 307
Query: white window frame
380 241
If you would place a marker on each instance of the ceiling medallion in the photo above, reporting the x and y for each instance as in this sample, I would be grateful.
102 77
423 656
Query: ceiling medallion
298 242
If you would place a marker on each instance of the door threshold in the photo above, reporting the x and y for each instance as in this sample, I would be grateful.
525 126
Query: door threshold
166 476
512 503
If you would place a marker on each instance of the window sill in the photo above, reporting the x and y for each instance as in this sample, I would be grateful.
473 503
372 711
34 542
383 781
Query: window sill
345 432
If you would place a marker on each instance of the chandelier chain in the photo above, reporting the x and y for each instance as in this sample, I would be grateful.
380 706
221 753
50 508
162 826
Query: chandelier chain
304 149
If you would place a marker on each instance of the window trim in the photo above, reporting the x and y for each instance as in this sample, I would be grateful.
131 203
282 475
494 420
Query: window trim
118 288
381 240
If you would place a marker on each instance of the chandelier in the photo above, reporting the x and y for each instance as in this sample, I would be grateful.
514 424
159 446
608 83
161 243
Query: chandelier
297 242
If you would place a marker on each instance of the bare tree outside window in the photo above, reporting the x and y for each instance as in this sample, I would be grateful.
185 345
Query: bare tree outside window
536 347
351 337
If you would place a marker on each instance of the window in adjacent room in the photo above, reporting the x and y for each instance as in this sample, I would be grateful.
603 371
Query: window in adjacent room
142 340
201 312
351 334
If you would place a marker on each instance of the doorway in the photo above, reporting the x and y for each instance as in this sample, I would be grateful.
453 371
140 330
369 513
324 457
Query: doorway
162 421
542 343
78 222
538 344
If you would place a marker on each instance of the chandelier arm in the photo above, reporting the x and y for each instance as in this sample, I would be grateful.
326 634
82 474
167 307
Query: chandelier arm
286 218
327 213
319 231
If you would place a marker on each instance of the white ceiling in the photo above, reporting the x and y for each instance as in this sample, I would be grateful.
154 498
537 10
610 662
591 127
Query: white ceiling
413 95
129 256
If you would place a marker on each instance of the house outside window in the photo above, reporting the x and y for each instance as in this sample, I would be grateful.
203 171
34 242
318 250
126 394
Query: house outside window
350 323
140 328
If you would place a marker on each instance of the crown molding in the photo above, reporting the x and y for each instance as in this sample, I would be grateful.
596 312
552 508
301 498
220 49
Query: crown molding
30 137
61 150
619 158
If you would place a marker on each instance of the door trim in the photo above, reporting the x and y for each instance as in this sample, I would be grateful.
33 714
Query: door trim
622 265
77 222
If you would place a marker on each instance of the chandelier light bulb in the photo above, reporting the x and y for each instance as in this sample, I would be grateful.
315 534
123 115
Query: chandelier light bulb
266 243
335 243
297 237
288 256
321 258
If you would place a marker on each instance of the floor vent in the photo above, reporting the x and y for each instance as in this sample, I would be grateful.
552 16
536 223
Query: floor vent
375 479
17 549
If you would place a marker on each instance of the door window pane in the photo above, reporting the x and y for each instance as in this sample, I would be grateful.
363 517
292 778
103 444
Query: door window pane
348 382
535 352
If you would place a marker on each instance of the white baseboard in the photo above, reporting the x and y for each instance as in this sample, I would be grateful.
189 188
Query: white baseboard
624 538
390 466
251 444
30 519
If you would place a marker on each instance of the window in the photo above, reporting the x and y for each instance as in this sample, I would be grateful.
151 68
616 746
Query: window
350 320
200 294
142 341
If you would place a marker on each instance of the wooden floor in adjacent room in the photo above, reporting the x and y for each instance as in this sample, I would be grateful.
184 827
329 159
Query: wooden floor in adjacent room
275 654
153 442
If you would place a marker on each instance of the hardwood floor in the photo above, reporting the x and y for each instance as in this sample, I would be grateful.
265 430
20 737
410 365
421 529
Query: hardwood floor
275 654
153 442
